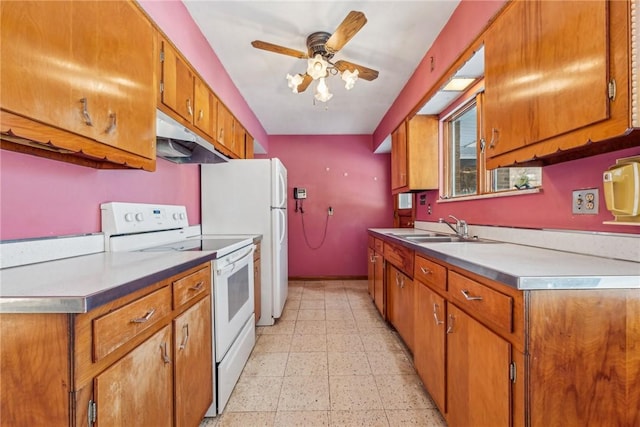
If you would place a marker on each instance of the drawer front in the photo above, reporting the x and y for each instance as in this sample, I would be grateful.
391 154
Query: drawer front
371 242
399 256
116 328
486 304
191 286
379 245
431 273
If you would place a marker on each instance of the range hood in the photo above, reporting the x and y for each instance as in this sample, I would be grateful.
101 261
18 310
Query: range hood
178 144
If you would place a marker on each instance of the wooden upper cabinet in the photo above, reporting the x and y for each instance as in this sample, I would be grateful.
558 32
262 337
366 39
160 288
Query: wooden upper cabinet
239 135
31 52
550 70
84 87
205 108
225 125
414 155
177 82
248 146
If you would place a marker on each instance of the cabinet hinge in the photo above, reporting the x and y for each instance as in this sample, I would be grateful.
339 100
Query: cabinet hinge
512 372
162 56
612 89
92 413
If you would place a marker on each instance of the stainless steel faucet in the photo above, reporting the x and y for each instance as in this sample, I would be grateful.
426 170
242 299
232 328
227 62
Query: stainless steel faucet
461 229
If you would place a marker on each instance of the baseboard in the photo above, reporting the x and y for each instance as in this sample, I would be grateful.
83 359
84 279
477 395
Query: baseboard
317 278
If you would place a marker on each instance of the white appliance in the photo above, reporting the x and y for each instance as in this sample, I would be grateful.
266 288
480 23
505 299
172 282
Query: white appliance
250 197
162 228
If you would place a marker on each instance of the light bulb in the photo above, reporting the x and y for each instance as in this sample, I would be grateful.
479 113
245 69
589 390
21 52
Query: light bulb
294 81
322 91
317 67
349 78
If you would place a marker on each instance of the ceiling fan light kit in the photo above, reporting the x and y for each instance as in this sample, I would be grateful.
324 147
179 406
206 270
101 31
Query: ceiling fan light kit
321 47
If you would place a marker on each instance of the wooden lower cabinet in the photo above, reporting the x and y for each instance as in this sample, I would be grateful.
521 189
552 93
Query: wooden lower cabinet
400 303
375 274
429 345
126 393
478 384
193 363
143 359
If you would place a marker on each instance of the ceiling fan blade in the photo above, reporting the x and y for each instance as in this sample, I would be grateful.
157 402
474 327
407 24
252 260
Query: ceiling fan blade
278 49
307 79
363 72
345 31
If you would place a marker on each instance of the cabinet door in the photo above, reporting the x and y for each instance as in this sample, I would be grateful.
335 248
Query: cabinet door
546 72
225 126
399 157
194 366
378 284
429 342
400 304
177 83
204 118
238 139
478 384
37 55
371 272
138 389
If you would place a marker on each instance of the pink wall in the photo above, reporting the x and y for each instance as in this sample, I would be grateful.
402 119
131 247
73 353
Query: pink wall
549 209
41 197
341 172
465 24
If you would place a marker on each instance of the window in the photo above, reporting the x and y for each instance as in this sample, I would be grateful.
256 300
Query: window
464 169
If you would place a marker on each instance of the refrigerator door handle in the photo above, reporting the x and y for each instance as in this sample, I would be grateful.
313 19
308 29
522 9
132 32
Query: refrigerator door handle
283 229
282 194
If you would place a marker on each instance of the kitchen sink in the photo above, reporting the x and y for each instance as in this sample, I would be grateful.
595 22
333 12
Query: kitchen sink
438 238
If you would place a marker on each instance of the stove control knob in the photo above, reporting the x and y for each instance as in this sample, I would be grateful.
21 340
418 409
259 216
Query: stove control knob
182 215
139 217
128 217
176 216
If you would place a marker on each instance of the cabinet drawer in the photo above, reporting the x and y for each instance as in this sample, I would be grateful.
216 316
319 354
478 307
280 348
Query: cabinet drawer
399 256
486 304
189 287
114 329
378 245
430 273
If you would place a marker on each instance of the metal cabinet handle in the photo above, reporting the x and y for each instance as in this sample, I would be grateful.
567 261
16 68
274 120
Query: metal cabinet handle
165 353
425 270
372 259
112 123
401 282
468 297
435 314
85 112
185 338
450 324
145 318
197 286
200 115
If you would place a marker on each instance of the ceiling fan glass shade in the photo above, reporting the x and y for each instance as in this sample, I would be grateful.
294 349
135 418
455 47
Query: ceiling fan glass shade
322 91
294 81
317 67
349 78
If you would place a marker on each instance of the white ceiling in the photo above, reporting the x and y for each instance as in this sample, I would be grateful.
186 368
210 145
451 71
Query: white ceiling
394 41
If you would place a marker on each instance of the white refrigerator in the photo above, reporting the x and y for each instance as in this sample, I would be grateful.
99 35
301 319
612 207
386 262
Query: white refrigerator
250 197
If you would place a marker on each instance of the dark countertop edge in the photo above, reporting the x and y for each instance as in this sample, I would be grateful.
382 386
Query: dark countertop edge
76 305
515 282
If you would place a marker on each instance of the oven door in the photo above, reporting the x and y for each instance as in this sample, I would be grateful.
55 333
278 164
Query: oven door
233 297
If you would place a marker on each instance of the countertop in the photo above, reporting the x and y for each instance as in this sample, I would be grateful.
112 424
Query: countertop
79 284
526 267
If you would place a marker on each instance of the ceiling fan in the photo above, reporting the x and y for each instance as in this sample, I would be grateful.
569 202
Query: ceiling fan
321 47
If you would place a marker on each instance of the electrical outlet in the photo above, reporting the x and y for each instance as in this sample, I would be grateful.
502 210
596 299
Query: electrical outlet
585 202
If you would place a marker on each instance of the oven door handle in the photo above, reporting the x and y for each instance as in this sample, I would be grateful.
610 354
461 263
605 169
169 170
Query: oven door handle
233 263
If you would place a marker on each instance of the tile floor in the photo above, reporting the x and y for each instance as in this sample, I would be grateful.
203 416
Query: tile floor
330 360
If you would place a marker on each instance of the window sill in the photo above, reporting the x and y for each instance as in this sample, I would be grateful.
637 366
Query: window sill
507 193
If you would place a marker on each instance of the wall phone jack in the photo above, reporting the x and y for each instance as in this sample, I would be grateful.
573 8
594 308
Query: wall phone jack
330 211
